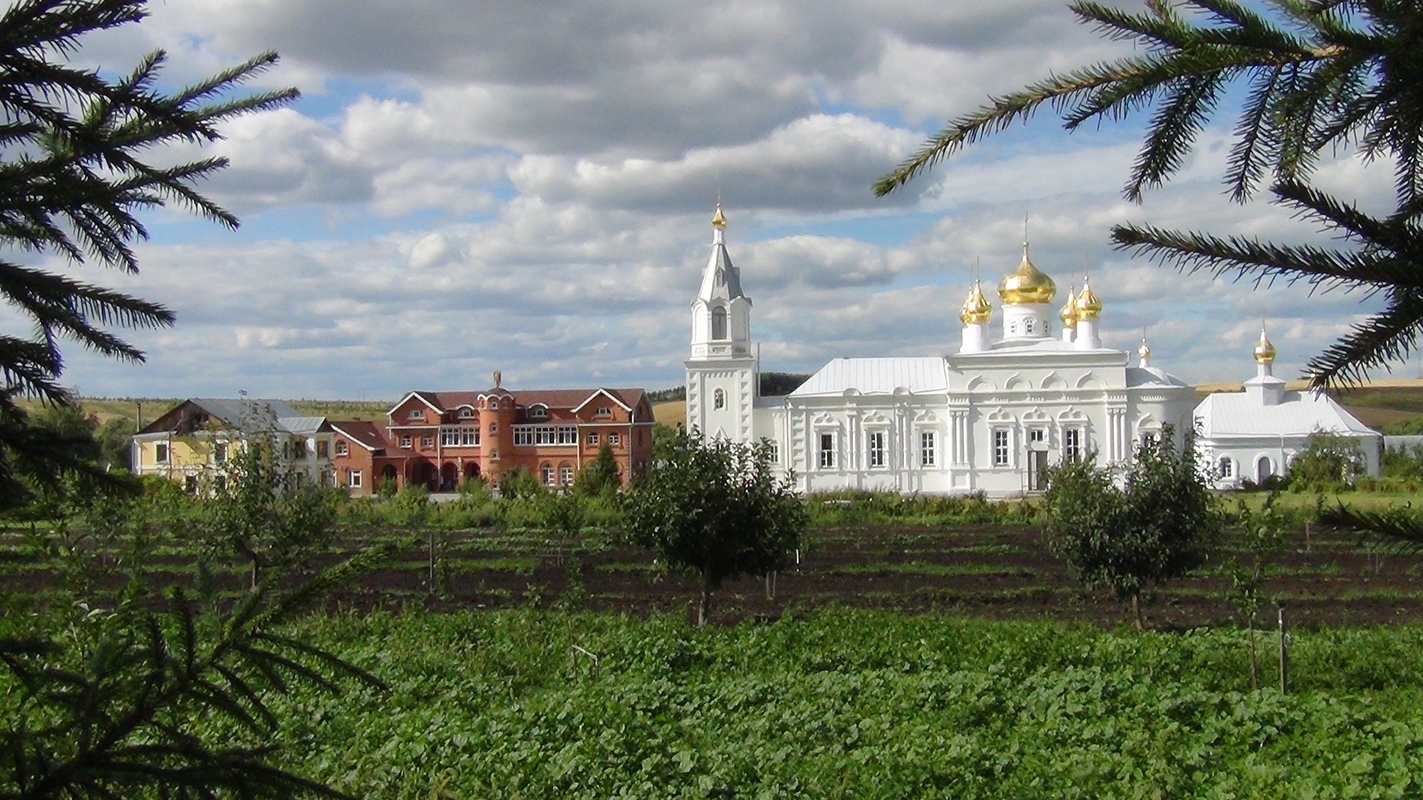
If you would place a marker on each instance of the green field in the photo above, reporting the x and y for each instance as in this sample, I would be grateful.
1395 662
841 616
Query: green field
853 704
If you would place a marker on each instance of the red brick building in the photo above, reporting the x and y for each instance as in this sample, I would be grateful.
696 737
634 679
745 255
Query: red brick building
441 439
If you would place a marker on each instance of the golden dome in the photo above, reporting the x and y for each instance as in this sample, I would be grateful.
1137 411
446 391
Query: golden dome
719 219
976 307
1026 284
1264 351
1088 306
1068 314
1144 352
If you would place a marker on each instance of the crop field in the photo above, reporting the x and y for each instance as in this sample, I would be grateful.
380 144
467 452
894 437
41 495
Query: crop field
991 571
851 703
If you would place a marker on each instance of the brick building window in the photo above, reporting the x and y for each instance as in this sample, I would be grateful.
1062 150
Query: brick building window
342 449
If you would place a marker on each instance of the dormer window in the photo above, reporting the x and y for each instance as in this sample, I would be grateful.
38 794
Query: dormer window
466 413
718 320
416 413
604 411
538 412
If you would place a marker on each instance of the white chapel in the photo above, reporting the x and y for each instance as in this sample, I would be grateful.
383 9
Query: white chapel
986 418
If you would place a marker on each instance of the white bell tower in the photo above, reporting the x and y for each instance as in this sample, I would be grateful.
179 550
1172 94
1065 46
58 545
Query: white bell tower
722 372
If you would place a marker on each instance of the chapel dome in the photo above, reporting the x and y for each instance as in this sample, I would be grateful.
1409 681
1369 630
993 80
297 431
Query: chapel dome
1068 314
1026 284
976 308
1264 351
1088 306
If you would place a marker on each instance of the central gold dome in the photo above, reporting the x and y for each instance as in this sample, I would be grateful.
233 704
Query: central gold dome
1026 284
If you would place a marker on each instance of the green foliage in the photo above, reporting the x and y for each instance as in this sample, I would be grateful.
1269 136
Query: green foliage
1159 525
517 483
1402 462
72 177
1313 78
602 478
111 686
1329 462
715 507
854 507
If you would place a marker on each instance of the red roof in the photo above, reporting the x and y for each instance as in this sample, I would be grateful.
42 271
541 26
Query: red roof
553 398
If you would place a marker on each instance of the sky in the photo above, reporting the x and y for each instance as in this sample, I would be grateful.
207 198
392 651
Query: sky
468 186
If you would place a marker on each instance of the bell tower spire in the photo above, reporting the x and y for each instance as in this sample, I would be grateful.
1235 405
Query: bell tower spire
722 370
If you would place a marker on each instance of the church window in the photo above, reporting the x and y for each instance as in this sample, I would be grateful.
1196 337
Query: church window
718 323
1001 447
1148 440
928 448
827 450
1012 329
1225 468
1028 327
876 448
718 399
1037 435
773 452
1072 444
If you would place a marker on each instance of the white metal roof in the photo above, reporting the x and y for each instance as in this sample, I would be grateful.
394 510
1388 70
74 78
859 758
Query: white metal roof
1297 414
918 374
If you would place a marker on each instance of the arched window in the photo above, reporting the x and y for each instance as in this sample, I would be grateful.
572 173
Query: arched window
718 399
1028 327
1225 468
565 475
719 323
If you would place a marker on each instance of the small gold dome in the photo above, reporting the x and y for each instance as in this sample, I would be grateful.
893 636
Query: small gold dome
1068 314
1264 351
1026 284
1088 306
1144 352
976 308
719 219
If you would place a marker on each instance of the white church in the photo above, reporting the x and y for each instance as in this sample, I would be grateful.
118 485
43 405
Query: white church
987 418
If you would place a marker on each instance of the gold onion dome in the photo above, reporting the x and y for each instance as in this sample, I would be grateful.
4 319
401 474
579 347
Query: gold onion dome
1068 314
1088 306
1026 284
719 219
1145 350
1264 351
976 308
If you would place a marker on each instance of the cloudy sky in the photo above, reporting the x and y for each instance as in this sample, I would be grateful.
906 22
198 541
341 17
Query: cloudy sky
477 185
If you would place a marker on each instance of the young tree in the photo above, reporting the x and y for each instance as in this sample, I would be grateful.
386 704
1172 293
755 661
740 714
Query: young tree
600 478
1158 524
1329 462
1319 76
1259 535
716 508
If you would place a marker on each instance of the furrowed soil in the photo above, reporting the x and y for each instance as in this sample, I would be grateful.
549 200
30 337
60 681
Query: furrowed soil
990 571
1322 578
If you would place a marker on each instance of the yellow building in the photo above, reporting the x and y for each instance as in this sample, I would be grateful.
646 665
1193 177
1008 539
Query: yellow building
192 442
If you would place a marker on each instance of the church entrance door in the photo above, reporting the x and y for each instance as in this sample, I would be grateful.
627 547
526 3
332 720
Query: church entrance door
1037 469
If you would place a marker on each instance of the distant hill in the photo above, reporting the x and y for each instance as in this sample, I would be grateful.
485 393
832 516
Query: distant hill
150 408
